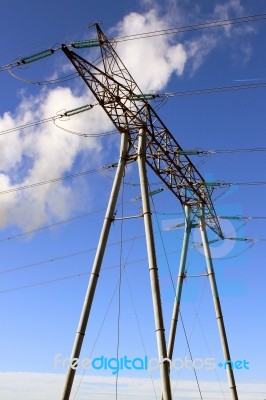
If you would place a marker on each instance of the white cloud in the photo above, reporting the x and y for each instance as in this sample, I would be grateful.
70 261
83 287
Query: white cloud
198 49
224 10
150 61
42 386
232 9
44 152
153 61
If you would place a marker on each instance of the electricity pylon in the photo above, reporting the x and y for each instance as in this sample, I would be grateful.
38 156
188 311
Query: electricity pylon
145 139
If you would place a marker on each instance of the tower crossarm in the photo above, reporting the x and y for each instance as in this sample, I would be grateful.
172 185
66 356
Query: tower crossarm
127 107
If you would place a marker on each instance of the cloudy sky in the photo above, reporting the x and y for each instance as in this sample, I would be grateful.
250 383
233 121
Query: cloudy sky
49 230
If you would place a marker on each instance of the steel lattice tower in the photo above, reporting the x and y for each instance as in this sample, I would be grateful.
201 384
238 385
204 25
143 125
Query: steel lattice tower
146 139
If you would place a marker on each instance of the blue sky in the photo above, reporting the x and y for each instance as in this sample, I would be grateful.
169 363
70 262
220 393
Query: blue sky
41 298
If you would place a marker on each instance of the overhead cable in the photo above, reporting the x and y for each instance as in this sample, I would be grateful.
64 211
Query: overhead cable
252 241
31 231
210 90
65 256
53 180
95 42
65 78
229 151
113 165
194 27
60 115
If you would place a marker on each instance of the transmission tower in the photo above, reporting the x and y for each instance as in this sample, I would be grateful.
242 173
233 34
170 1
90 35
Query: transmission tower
146 140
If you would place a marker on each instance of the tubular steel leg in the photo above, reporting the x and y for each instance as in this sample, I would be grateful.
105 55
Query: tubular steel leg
155 288
179 285
218 309
97 265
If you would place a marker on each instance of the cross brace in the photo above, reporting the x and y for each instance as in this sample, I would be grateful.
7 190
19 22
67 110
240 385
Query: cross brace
122 100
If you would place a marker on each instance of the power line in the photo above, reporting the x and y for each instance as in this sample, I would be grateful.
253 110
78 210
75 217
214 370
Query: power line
91 135
53 180
28 125
240 217
31 285
229 151
224 184
152 96
199 152
53 119
55 81
61 79
195 27
210 90
181 29
64 256
80 274
240 183
64 221
49 226
217 184
87 107
61 114
31 231
113 165
94 42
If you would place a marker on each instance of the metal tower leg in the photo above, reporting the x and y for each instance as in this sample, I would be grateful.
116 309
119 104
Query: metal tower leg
155 288
179 285
97 265
217 306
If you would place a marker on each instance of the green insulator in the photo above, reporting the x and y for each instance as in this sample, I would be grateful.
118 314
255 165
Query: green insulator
212 184
230 217
188 152
37 56
213 241
83 44
155 192
240 239
78 110
143 96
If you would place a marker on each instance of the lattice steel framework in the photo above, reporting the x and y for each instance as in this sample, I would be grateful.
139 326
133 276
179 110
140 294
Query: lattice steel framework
128 108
